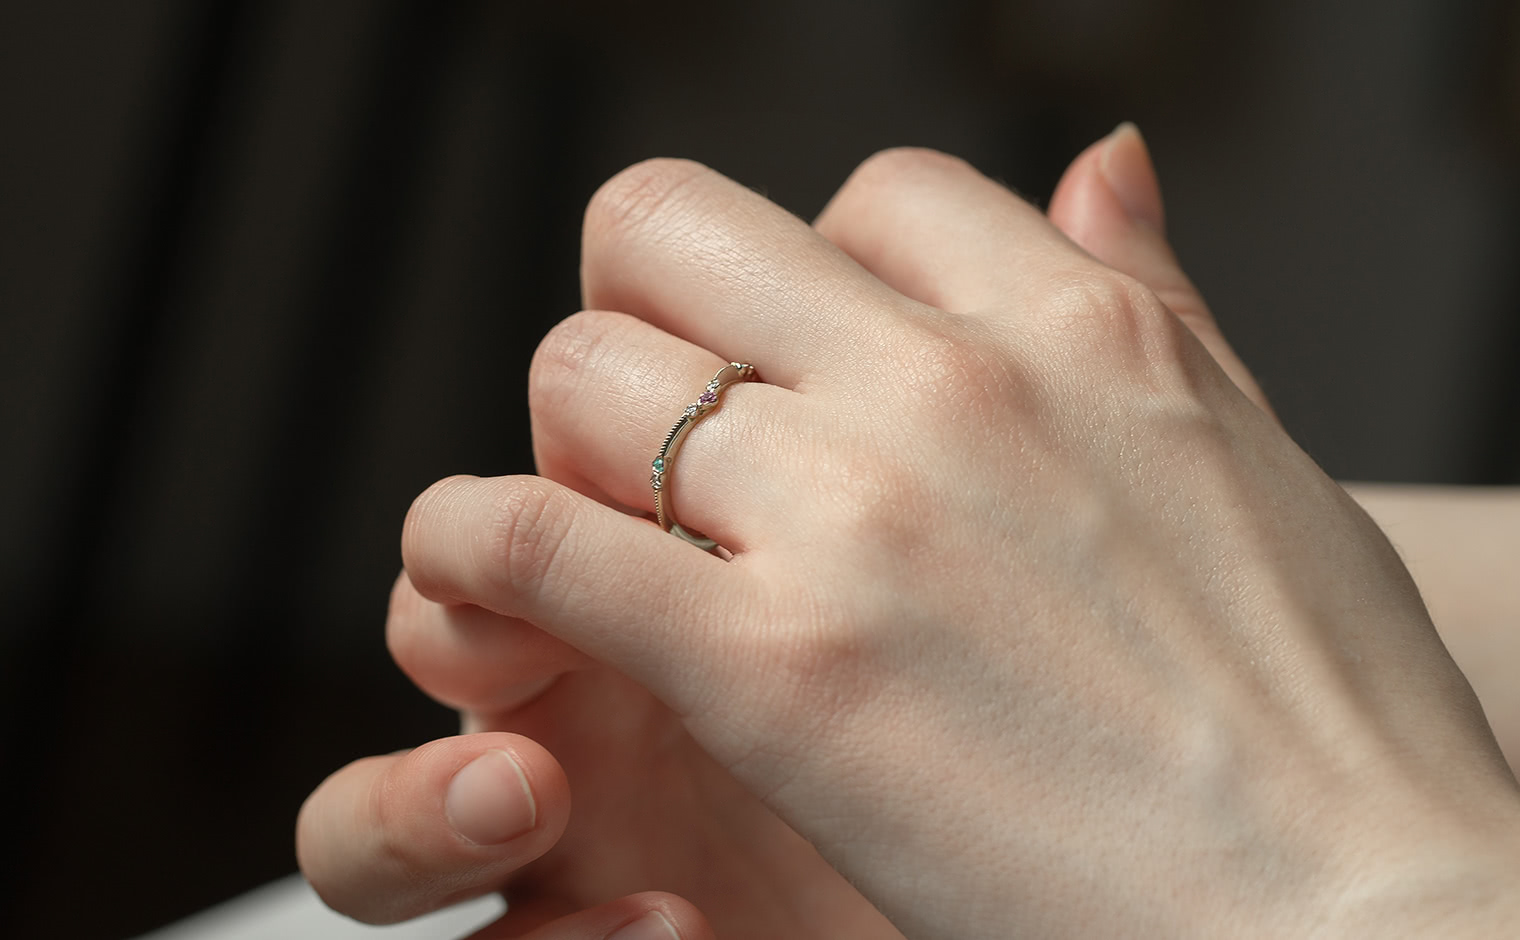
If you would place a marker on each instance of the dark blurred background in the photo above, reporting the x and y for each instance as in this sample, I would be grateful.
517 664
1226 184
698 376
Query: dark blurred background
268 269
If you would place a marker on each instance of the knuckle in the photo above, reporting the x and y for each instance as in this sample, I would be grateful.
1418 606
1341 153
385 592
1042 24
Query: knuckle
640 196
897 165
529 520
937 362
1110 313
1092 301
884 174
954 366
568 357
1115 324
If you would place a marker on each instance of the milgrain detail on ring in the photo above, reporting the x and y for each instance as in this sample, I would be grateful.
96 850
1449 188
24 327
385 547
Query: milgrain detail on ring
664 460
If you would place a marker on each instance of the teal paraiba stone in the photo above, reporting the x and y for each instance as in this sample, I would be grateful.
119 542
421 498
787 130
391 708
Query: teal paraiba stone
659 465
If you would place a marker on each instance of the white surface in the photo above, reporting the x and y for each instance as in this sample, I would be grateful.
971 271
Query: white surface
289 910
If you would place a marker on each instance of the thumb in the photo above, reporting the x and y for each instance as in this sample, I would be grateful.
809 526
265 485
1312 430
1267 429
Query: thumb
1109 203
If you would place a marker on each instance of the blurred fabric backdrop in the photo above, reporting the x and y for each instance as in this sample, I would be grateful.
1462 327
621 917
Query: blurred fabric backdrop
269 269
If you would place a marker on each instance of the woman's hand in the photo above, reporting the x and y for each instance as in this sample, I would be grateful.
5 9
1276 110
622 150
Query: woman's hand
1004 615
651 808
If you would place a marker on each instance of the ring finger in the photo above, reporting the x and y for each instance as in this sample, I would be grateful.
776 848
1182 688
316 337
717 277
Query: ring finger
604 390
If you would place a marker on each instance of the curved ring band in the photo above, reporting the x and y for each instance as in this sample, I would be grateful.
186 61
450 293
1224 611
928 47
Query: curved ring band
665 459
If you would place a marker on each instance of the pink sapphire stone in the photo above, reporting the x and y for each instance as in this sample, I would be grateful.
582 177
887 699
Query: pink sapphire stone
708 398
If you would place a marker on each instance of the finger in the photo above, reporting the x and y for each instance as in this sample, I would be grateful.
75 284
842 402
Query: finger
604 390
650 915
567 476
938 231
612 586
470 658
1109 203
389 838
705 259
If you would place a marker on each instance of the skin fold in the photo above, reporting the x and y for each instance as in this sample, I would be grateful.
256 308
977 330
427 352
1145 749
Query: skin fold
1036 622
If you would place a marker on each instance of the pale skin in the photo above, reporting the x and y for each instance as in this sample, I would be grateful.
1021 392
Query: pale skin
1462 544
1036 622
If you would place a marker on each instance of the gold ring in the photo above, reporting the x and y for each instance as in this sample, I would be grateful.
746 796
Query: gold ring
664 461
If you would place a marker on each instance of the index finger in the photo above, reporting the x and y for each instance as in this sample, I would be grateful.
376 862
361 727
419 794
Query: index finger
614 587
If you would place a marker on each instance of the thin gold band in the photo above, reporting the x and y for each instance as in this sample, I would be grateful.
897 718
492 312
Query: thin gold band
664 461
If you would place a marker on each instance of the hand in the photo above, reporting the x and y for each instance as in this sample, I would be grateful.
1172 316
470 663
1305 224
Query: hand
891 274
507 676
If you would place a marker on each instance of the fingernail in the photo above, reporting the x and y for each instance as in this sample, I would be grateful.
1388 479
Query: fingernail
488 801
652 926
1126 167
